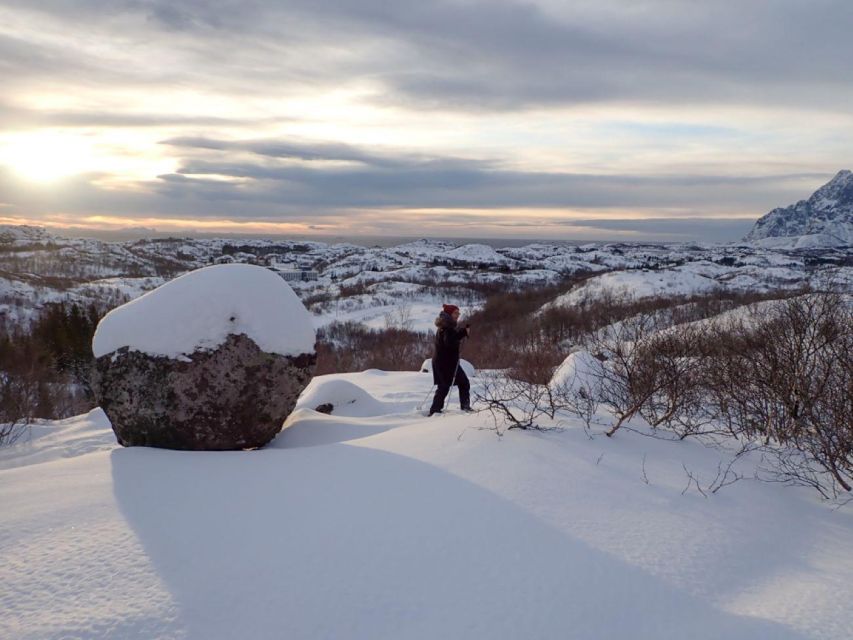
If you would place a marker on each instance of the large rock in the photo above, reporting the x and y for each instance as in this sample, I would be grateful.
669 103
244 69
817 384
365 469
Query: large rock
212 360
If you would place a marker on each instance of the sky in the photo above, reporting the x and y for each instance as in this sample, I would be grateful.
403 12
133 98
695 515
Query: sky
580 120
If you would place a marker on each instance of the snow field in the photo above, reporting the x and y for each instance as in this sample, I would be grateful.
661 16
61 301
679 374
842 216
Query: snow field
383 524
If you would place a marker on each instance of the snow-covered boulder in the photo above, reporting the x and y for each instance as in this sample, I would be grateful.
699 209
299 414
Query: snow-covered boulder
466 366
212 360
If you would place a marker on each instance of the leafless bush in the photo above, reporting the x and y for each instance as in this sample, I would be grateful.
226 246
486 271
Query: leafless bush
399 317
515 403
624 381
578 397
670 368
18 401
784 375
349 346
780 378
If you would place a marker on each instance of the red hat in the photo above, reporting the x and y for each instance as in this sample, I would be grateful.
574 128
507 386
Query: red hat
450 308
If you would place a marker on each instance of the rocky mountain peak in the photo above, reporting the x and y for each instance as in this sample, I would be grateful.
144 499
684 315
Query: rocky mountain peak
838 191
825 219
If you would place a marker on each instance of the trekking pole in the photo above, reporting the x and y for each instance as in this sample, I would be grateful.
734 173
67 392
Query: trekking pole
420 407
452 381
455 371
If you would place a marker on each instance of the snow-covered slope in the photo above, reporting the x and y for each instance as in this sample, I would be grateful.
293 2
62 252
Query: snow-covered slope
390 525
639 284
825 219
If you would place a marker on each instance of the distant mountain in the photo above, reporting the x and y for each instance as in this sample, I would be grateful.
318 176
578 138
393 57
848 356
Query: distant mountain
825 219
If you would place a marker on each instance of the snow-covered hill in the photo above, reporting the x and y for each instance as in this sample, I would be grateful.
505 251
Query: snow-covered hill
385 524
825 219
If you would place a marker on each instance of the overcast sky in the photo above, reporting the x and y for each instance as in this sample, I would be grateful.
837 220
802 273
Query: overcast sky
543 119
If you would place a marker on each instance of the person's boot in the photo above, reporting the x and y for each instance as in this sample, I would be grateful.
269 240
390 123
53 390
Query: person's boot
465 399
433 410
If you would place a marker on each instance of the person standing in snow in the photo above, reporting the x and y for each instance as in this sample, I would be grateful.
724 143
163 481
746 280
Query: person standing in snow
445 363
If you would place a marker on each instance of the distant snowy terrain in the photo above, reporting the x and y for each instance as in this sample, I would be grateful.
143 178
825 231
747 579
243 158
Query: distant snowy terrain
392 286
379 523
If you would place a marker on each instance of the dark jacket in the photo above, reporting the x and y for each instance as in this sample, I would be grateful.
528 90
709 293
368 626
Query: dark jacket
448 337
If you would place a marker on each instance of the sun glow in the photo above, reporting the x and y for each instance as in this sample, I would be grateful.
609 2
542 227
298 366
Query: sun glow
47 156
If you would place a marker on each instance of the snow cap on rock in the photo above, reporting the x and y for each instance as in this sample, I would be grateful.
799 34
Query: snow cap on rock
200 309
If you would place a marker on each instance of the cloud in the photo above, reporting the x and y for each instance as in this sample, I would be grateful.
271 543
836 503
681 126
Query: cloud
499 105
368 179
328 205
14 118
683 229
275 178
474 55
313 150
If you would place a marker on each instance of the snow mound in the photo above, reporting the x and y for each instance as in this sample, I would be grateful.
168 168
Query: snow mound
201 308
48 441
577 372
466 366
348 399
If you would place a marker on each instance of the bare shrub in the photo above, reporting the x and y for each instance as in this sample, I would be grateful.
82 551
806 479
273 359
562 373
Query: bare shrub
515 403
644 367
513 324
778 377
578 396
784 375
44 372
399 317
670 368
349 346
624 380
18 398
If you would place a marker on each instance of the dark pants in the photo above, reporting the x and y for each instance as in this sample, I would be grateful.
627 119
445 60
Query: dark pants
443 389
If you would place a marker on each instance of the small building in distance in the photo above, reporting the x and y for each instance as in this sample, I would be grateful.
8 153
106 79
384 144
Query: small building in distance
294 270
295 275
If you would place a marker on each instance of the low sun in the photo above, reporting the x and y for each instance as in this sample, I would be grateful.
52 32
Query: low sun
46 156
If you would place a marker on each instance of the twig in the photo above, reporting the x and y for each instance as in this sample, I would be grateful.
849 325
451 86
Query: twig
692 479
